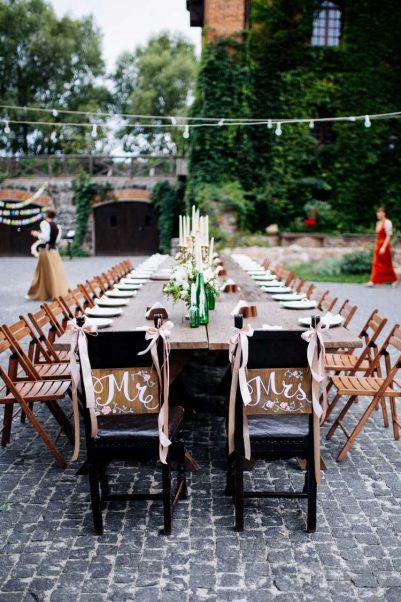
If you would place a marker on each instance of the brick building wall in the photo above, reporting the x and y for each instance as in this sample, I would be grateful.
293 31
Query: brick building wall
224 18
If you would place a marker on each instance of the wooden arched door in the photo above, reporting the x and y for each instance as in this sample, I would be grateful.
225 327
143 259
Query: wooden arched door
125 228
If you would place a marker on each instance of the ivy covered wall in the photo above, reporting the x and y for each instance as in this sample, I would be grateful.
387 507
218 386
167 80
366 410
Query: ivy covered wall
275 72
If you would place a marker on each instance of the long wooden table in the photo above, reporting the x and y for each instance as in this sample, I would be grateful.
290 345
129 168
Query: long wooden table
215 336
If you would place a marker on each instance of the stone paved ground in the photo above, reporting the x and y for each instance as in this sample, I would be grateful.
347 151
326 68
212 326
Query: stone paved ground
48 550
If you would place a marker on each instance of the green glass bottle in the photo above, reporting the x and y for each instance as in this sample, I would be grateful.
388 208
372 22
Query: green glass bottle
201 300
211 299
193 310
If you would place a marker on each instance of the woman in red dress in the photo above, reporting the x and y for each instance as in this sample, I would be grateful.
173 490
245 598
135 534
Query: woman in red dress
382 266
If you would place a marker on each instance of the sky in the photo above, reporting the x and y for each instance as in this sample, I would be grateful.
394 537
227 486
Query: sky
128 23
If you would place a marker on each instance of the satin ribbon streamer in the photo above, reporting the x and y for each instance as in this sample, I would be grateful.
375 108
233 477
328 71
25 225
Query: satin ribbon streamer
316 360
79 344
238 355
152 335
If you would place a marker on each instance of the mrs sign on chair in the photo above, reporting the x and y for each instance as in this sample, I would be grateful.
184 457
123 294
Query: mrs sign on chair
278 417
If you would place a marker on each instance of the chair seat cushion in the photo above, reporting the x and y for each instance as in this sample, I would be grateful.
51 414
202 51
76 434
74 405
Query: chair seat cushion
276 430
125 429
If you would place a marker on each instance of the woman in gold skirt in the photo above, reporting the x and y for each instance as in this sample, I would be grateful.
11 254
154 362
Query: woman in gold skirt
49 280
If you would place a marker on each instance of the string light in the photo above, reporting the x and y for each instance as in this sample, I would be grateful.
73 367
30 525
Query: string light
367 122
269 124
94 130
278 131
55 113
173 121
311 124
195 120
186 132
6 127
220 123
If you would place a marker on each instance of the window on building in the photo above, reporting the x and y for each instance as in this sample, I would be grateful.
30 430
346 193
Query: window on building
327 25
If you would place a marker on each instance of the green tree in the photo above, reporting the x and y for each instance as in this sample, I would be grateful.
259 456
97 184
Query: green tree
156 79
48 62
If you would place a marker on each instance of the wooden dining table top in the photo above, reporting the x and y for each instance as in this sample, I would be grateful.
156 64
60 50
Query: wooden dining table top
215 335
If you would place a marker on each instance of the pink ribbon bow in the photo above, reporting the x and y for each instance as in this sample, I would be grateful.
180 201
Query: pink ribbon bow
152 335
79 344
238 356
316 361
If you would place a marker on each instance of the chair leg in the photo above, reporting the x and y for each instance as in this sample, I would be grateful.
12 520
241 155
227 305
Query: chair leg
341 415
7 422
62 420
43 434
394 417
181 472
229 490
239 492
384 412
351 439
331 406
23 415
94 484
104 482
310 479
167 505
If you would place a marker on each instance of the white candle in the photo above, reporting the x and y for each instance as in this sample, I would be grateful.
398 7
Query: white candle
180 237
207 229
211 247
193 220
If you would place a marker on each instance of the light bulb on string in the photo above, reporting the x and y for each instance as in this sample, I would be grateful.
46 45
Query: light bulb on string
278 131
221 123
55 113
94 131
269 124
173 121
352 118
186 132
367 121
6 127
311 124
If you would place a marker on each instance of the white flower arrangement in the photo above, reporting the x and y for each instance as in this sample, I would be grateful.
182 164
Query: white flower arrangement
185 273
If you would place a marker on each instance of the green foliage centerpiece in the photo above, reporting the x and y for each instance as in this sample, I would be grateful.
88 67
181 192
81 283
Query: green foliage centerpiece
196 264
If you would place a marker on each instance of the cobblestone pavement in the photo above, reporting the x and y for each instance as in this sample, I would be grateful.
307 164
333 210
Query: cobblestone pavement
48 551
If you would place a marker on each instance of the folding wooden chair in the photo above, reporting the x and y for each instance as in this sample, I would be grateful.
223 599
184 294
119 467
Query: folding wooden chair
284 275
28 391
305 287
58 316
327 303
42 323
278 428
348 363
128 430
71 305
347 311
378 388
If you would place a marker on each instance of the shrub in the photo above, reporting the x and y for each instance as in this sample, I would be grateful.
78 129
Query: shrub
359 262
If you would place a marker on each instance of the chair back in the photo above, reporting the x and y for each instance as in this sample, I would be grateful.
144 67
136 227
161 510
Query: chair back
72 306
347 311
14 334
278 375
121 386
370 333
58 315
41 322
327 303
387 359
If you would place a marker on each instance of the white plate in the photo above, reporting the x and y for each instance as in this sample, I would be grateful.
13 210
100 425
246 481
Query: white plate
133 280
116 293
103 312
106 302
289 297
277 289
299 304
128 287
99 322
264 277
334 321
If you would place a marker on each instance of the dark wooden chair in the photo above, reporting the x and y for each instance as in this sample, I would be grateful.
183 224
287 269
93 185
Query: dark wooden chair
131 434
275 433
